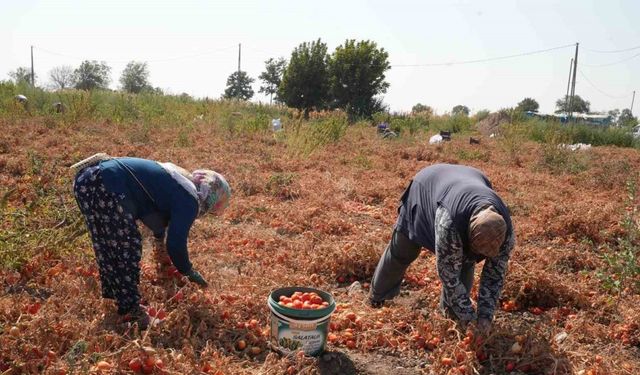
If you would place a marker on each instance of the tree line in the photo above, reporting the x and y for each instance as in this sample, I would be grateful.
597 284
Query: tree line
563 105
92 75
352 78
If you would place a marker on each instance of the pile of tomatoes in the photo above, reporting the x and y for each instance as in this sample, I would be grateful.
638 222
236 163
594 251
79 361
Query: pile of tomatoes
303 301
146 362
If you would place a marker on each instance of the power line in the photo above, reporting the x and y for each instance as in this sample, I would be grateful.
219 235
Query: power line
487 59
613 63
266 53
465 62
601 91
614 51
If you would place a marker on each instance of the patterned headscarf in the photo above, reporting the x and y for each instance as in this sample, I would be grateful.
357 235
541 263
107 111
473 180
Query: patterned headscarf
487 231
213 191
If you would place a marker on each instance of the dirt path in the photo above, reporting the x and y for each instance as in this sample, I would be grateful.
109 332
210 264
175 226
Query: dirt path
339 363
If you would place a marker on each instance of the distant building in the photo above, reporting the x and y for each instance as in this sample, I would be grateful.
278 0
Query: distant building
580 118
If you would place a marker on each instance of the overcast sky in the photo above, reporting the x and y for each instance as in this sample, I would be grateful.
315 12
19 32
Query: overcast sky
192 46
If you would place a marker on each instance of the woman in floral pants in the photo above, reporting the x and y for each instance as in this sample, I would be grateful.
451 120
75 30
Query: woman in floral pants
114 193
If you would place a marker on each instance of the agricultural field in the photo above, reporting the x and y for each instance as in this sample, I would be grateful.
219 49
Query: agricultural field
313 206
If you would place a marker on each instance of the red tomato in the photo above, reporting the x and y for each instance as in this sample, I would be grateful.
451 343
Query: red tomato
351 344
146 369
33 309
152 312
316 300
446 361
172 271
161 315
241 344
149 361
351 316
206 367
179 296
536 311
297 304
135 365
255 350
510 366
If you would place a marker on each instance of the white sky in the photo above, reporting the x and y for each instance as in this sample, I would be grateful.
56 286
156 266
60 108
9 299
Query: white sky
191 45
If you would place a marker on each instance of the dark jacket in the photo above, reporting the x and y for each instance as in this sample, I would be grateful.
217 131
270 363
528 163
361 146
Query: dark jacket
165 206
459 189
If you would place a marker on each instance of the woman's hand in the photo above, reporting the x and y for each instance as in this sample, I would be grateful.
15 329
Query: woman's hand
194 276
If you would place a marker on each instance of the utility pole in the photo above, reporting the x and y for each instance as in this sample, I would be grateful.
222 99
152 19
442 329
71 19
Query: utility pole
239 52
632 100
573 85
33 80
566 97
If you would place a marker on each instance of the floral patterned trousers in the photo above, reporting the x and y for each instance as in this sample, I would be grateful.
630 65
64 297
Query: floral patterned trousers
117 242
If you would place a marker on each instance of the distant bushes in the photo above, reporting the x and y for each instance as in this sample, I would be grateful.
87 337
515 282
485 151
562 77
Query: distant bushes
540 131
150 108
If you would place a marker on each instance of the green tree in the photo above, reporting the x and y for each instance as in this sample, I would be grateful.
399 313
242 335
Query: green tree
92 75
419 108
461 110
357 76
627 119
239 86
577 105
528 104
20 75
61 77
135 77
614 113
482 114
305 82
272 77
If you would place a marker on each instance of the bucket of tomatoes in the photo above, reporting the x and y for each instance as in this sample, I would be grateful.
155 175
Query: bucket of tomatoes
300 318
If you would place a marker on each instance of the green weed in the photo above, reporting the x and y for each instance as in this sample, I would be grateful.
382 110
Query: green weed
283 185
303 138
622 267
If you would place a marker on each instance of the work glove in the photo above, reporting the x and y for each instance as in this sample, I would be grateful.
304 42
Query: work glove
195 277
